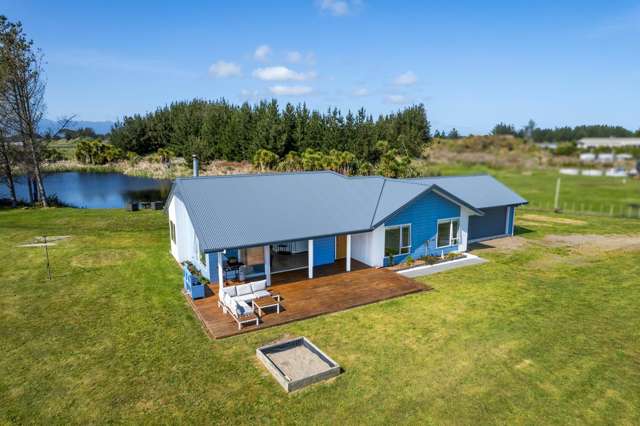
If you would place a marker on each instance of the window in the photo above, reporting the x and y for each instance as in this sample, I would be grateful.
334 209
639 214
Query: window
172 231
397 240
448 230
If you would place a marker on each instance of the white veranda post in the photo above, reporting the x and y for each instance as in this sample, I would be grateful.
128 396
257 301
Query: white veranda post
310 259
220 273
348 252
267 263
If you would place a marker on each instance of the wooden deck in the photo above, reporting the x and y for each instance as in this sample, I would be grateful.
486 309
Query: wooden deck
332 290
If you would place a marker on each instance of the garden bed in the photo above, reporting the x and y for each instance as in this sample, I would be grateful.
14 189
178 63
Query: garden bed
426 261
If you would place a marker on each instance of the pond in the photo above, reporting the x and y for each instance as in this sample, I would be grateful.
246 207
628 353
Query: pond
95 190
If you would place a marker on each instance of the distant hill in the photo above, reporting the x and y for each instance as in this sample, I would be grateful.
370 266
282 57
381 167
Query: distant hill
100 127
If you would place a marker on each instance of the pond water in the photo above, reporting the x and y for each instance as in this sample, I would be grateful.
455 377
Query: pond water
95 190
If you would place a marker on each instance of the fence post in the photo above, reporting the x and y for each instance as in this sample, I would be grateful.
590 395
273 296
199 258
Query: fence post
556 200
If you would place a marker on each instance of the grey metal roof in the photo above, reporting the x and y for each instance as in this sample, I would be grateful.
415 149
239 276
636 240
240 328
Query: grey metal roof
481 191
249 210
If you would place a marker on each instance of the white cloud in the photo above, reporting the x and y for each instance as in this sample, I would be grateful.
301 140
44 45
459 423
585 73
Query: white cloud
294 56
361 91
262 53
280 73
291 90
397 99
335 7
406 79
223 69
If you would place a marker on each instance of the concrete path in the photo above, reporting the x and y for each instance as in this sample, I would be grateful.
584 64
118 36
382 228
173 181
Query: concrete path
420 271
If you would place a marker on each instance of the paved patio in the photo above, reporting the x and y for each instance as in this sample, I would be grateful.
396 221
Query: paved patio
332 290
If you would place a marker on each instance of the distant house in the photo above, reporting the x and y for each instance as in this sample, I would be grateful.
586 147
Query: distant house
587 157
280 222
608 142
606 157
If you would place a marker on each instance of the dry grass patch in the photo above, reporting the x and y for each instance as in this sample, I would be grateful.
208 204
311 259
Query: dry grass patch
555 220
594 244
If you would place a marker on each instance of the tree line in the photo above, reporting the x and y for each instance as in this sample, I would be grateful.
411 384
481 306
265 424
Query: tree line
563 134
221 130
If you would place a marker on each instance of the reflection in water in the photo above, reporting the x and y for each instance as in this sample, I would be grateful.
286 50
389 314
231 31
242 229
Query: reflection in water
95 190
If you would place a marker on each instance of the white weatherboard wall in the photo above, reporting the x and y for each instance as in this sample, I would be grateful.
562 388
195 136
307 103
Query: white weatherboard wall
464 228
185 247
368 247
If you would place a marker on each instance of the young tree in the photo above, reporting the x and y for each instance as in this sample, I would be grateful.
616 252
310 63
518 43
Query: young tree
453 134
22 93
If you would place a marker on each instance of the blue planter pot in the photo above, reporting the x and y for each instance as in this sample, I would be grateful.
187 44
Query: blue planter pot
192 285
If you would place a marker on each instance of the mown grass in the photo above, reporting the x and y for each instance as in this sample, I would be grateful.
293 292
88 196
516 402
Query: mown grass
111 339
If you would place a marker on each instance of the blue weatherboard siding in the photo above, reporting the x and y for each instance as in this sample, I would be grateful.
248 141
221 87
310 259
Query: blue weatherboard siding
212 271
423 214
324 251
492 224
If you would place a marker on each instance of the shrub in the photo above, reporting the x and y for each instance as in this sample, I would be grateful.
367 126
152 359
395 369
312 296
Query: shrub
264 159
97 152
452 255
409 260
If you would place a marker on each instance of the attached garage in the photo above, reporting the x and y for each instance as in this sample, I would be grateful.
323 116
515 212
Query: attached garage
496 222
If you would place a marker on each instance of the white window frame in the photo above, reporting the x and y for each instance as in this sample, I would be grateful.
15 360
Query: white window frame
401 246
453 240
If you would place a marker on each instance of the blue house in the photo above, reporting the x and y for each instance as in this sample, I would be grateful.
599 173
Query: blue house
273 223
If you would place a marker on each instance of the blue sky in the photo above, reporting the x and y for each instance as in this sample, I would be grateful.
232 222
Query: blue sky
471 63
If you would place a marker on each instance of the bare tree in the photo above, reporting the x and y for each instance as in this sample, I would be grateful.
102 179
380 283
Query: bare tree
6 153
22 96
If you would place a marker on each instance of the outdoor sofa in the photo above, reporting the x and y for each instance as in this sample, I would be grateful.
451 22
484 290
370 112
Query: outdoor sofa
237 301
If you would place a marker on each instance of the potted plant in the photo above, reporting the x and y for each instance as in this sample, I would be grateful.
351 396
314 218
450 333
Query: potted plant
409 261
389 253
194 282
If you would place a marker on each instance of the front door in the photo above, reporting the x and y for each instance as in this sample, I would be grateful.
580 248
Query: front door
341 246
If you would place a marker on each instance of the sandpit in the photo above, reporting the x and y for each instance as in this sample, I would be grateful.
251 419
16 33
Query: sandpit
297 363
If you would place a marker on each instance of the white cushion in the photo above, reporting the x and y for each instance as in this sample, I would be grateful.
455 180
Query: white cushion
226 299
261 293
231 291
242 308
258 285
243 289
245 298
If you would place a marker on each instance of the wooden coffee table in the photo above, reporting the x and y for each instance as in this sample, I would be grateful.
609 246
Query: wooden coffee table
261 303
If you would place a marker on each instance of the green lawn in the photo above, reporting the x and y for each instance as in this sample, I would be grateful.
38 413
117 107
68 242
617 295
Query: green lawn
538 186
540 334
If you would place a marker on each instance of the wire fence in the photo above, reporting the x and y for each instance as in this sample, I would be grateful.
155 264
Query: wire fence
610 210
